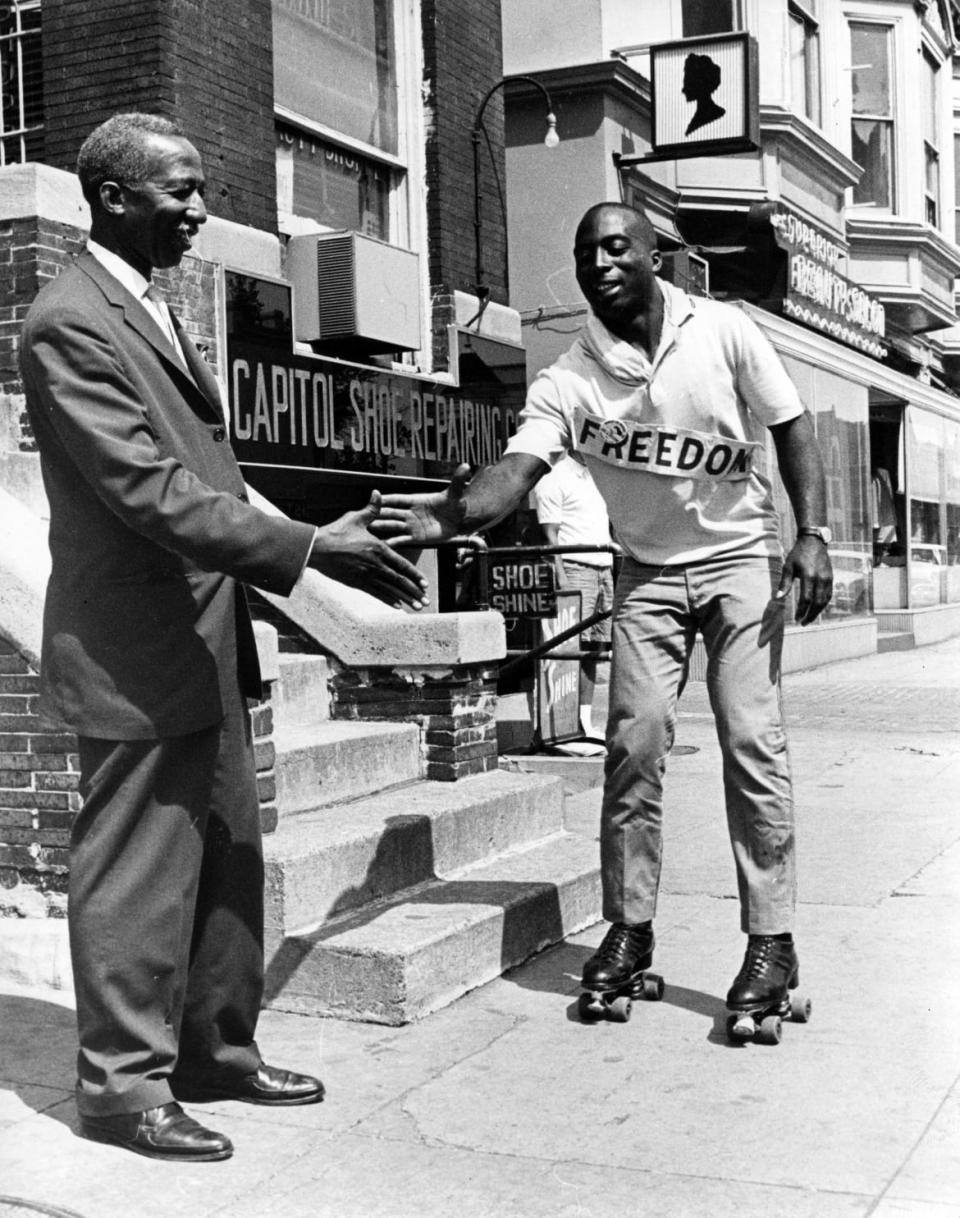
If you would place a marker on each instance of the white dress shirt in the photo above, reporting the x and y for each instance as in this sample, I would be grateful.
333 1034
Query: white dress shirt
141 289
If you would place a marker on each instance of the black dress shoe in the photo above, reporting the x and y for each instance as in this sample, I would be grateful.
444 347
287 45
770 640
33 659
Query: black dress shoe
159 1133
266 1085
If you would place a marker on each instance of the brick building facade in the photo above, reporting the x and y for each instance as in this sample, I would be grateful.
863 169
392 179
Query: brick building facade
211 68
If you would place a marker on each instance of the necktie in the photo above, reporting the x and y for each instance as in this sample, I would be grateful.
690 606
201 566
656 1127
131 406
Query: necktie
161 312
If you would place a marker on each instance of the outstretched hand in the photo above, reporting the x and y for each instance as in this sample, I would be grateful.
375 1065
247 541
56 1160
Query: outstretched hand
809 563
347 551
434 517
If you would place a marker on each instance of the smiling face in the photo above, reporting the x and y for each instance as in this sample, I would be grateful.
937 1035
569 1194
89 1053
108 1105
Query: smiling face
152 223
616 264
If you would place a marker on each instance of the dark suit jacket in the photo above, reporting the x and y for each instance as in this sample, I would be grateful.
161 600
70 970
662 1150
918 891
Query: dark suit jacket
144 624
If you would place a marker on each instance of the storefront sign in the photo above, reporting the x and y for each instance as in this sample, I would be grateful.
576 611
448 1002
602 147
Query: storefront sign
704 96
818 295
311 413
523 587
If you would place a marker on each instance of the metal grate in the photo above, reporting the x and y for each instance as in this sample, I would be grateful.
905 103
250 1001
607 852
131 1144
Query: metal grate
336 266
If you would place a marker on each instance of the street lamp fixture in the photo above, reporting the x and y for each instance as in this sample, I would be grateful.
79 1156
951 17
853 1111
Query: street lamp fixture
551 140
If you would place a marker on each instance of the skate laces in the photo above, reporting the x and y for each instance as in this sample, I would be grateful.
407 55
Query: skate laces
761 953
618 940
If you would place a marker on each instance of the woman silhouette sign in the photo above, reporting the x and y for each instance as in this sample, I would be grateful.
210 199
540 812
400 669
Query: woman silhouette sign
701 78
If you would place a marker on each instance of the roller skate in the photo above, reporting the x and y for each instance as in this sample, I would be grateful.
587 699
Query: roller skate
760 998
616 975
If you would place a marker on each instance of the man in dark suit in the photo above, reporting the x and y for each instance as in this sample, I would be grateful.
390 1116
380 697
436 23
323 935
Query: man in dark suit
149 656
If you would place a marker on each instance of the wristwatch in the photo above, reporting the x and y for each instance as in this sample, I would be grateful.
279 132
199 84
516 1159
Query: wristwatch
810 530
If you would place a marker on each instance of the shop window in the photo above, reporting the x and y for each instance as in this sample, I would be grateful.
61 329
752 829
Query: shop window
21 82
872 128
804 60
840 413
335 62
335 186
703 17
340 89
931 140
927 551
951 471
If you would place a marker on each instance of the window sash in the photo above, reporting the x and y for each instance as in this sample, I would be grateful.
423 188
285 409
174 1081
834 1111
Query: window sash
932 184
700 18
804 51
873 151
872 128
21 83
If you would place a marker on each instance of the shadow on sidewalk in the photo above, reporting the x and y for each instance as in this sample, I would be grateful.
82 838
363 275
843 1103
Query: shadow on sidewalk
38 1053
558 971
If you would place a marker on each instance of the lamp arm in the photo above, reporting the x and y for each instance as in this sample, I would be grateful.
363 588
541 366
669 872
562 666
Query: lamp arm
477 122
483 291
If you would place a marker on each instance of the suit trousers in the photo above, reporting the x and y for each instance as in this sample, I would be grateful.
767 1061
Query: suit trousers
657 613
166 913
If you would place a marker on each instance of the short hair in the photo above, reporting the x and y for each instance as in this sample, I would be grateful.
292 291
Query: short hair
116 151
638 219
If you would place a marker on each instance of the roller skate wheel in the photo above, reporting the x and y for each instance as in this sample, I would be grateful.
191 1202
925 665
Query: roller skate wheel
652 987
800 1008
770 1030
741 1027
589 1008
620 1008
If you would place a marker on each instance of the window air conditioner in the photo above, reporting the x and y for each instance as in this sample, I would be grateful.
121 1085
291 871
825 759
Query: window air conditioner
352 292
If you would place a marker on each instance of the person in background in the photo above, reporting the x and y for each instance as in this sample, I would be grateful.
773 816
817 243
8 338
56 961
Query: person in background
149 657
571 511
665 397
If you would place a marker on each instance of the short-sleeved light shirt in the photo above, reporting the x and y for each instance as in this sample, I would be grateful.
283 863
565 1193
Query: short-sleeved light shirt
568 498
674 444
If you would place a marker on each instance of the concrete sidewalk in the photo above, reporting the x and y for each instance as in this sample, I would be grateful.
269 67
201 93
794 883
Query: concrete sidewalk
505 1104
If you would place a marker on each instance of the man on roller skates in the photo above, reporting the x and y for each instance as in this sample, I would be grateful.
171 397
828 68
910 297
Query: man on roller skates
665 398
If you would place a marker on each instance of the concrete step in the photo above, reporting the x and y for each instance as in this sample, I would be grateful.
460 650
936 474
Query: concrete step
322 764
301 696
401 959
325 862
895 640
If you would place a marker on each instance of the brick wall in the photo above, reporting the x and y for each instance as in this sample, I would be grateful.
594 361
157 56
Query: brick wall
39 773
208 67
38 763
38 796
463 58
32 250
455 708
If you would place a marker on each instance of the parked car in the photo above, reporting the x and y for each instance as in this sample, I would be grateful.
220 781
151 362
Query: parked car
927 562
851 581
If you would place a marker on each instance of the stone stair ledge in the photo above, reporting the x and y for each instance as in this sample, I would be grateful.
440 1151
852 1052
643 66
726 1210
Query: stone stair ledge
322 863
344 759
401 960
300 697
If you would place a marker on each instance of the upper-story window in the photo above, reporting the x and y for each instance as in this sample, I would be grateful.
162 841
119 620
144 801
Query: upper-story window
339 93
21 82
931 139
872 125
703 17
804 59
956 188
